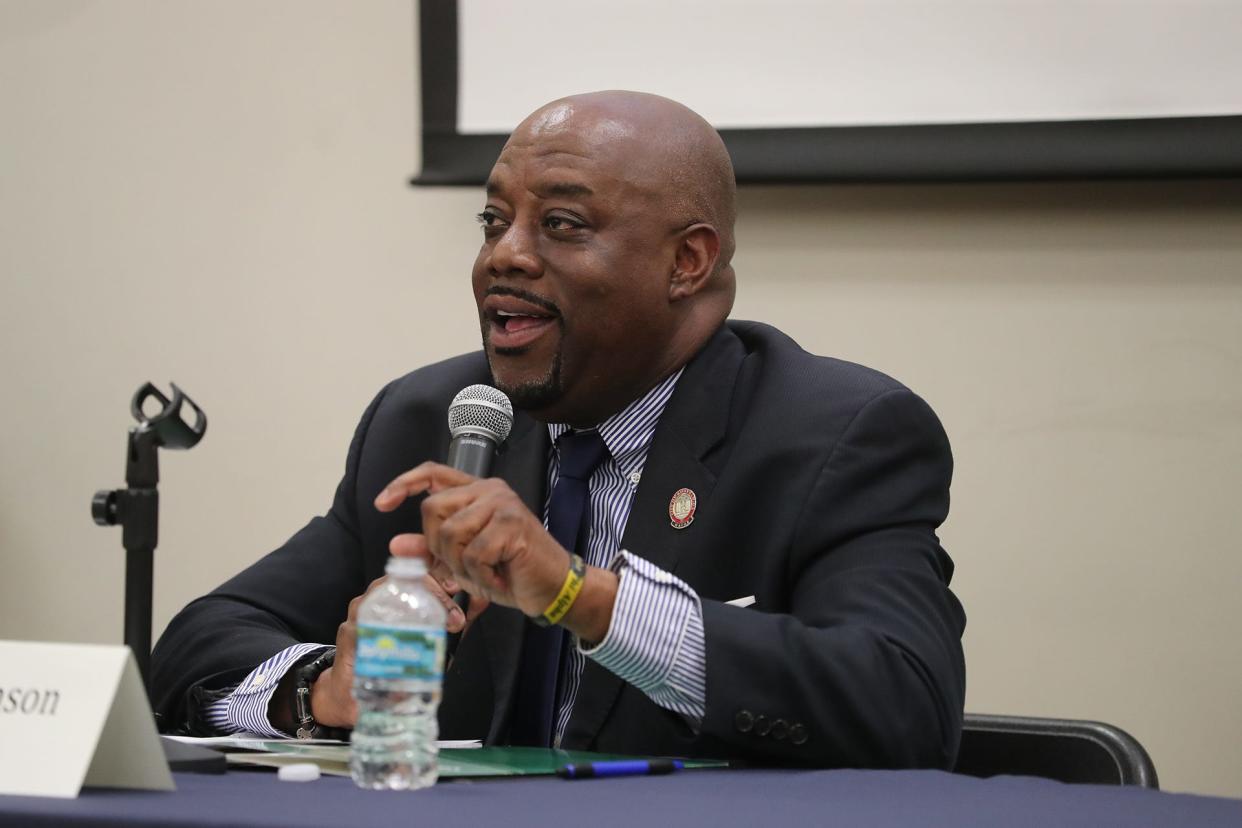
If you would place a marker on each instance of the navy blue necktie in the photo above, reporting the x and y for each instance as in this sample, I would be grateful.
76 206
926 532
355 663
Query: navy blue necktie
580 452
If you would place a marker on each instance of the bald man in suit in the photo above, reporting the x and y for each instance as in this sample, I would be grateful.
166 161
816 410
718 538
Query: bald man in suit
735 465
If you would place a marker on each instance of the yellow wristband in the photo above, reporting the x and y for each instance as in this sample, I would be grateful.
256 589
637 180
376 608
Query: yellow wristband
565 598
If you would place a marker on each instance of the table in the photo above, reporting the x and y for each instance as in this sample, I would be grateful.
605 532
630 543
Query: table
709 798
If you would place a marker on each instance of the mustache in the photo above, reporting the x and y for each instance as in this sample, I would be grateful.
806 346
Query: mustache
525 296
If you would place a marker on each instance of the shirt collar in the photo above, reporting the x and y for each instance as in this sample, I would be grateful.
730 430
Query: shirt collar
628 433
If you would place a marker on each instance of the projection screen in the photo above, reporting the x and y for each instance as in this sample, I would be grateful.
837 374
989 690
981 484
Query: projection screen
859 90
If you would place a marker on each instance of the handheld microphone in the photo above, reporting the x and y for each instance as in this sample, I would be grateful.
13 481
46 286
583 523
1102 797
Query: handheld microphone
479 418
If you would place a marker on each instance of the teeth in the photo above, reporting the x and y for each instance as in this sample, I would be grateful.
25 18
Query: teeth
506 313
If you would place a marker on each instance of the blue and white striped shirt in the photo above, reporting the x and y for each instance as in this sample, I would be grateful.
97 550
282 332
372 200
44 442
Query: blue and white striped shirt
655 640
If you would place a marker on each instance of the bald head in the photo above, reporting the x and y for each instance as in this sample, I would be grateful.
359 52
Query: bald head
665 148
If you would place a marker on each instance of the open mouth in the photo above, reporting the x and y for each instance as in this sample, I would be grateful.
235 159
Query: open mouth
515 322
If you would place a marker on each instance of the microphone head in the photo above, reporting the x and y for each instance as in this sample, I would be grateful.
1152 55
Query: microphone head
481 410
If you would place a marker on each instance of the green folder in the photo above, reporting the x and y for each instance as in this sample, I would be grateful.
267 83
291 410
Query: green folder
455 763
531 761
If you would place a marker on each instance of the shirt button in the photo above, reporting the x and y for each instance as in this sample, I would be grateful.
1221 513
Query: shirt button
763 725
743 721
798 734
259 678
780 729
635 477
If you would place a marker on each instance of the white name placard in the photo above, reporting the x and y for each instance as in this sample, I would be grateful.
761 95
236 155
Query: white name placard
74 715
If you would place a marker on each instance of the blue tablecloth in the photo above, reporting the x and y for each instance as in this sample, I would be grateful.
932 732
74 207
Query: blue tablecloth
710 798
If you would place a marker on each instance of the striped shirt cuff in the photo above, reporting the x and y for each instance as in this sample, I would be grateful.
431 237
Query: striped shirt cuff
245 709
655 641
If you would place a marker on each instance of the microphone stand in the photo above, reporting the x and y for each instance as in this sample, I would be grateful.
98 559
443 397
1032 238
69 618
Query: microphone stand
136 507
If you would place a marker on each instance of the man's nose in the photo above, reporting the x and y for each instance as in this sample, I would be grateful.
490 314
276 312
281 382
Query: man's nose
516 253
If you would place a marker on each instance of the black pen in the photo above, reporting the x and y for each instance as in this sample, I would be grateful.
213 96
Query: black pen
620 767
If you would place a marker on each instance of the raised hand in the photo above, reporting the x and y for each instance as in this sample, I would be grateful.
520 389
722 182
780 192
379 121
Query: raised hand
479 535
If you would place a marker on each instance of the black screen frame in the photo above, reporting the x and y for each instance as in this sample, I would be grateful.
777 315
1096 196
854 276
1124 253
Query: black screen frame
1120 148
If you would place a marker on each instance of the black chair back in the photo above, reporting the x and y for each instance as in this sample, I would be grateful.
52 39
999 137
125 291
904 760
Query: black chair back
1067 750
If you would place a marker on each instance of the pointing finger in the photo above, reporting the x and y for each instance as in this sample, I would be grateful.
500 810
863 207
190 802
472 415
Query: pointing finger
425 477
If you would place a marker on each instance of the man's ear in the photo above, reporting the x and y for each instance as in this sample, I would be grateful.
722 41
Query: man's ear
694 262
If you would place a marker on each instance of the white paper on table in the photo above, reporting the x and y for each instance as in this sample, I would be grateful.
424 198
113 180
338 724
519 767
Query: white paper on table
253 741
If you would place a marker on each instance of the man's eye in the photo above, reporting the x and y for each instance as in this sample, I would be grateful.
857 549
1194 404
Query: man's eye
488 218
561 223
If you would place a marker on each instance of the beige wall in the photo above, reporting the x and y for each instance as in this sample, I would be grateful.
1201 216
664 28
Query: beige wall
214 193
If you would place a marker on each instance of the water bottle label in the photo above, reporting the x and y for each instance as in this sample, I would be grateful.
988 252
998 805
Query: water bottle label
399 653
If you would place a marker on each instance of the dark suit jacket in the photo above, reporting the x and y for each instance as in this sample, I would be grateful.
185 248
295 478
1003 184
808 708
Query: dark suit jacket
820 485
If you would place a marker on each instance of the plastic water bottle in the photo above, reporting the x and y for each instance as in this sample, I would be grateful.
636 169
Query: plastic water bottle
398 671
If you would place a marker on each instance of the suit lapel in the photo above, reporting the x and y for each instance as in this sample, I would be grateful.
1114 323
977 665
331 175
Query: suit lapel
694 421
523 464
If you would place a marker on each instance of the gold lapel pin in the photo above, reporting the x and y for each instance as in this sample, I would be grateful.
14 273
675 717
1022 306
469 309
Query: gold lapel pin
681 508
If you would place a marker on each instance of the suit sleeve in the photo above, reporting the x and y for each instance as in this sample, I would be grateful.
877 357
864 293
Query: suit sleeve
862 666
298 593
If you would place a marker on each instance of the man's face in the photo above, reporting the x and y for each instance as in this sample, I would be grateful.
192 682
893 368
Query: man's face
572 278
